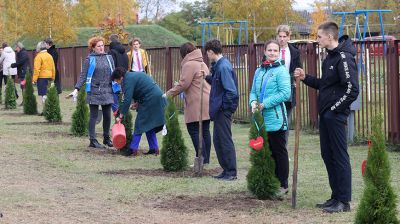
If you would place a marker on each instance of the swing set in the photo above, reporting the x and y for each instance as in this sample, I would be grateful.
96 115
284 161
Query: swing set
361 36
357 31
229 39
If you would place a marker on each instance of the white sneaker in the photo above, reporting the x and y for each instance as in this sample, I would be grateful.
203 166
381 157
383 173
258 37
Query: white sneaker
283 191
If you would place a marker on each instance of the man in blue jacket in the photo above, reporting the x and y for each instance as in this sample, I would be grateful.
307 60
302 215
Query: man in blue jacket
338 88
224 99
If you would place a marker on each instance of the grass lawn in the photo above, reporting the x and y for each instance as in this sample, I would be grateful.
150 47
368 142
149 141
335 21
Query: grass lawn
48 176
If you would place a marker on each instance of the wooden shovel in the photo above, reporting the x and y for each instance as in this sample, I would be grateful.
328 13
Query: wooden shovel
296 144
198 161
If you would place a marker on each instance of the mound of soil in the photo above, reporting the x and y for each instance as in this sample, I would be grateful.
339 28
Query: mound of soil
40 123
160 173
198 204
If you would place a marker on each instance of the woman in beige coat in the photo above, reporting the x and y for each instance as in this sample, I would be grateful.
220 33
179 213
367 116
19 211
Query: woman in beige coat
189 83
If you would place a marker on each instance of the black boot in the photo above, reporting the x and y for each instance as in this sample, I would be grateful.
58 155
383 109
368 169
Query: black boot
152 151
107 141
95 144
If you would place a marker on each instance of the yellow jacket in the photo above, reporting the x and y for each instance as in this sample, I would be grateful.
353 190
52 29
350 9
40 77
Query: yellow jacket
43 66
145 60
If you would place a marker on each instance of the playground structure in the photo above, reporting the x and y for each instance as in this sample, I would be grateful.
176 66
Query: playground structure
363 58
229 39
357 32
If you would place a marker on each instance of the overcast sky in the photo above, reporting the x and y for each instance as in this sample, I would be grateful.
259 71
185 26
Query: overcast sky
300 4
303 5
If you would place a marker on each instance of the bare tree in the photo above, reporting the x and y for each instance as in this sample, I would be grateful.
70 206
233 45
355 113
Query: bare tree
155 9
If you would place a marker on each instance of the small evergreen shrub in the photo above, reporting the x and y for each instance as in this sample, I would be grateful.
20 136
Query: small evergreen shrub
52 111
261 178
173 151
80 117
10 100
30 104
378 203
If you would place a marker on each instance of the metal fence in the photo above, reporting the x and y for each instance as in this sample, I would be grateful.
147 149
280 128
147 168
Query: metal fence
378 64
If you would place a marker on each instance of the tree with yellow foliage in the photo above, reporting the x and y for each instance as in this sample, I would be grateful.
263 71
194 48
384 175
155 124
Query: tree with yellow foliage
263 15
112 26
318 16
37 19
12 26
94 12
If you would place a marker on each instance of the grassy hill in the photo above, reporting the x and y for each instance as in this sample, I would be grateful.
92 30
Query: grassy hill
151 36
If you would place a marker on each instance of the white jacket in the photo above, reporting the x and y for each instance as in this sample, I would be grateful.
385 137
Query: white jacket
7 58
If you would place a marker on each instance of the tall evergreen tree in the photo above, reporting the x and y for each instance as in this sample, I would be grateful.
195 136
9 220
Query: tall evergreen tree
52 111
80 117
174 152
261 179
378 204
30 104
10 99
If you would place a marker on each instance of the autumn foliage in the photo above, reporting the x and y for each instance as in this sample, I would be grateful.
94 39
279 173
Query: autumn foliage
113 26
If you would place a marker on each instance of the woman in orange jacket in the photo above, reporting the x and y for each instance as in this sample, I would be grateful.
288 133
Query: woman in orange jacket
43 70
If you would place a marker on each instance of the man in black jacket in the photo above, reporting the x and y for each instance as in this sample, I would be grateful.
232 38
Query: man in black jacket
22 63
291 55
51 49
338 88
117 51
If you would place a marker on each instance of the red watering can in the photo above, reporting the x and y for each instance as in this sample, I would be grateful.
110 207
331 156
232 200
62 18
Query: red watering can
118 135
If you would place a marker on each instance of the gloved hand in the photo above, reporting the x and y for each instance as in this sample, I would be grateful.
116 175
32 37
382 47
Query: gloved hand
261 106
164 95
115 113
119 118
134 106
74 94
253 106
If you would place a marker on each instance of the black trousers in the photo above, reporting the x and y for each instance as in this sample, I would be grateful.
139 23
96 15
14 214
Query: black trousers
3 78
193 129
94 110
277 144
223 143
332 131
289 110
57 82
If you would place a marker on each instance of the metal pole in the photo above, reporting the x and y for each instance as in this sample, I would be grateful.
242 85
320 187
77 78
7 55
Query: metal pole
296 145
198 161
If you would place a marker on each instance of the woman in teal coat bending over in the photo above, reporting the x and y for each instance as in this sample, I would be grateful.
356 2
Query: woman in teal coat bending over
149 103
270 89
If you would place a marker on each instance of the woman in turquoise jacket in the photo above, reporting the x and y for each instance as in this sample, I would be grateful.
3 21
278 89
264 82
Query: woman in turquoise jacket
270 89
